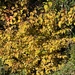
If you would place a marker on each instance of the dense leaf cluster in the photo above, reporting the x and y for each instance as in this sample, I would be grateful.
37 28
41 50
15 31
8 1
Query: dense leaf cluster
40 44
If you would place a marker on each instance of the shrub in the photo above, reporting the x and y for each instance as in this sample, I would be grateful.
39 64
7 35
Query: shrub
40 45
69 67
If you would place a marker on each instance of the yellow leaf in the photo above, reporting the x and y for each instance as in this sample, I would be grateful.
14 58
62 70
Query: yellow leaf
9 62
15 14
59 24
50 4
46 8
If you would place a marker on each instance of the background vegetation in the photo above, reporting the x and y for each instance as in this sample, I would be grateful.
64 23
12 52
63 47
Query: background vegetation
37 37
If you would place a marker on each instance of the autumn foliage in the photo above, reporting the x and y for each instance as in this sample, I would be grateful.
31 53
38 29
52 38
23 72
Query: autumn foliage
40 43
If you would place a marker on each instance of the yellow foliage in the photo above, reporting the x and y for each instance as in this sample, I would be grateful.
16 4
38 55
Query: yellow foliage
46 8
39 43
9 62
